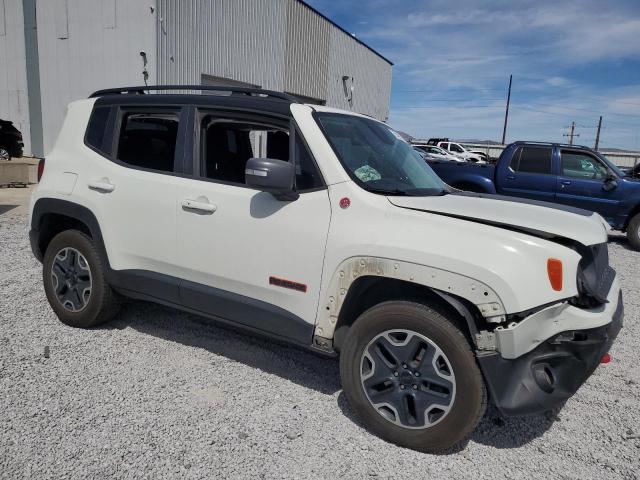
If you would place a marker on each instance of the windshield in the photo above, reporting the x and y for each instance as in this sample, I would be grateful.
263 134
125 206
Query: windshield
377 158
439 151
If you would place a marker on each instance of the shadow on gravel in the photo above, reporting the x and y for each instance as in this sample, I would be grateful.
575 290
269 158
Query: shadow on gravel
497 431
304 368
494 430
622 241
289 362
6 208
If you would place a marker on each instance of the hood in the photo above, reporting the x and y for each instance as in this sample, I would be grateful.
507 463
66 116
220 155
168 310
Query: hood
541 219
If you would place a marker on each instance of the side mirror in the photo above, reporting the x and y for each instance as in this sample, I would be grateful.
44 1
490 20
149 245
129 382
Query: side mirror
610 183
273 176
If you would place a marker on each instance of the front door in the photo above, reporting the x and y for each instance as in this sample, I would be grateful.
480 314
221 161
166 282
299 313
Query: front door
581 181
246 256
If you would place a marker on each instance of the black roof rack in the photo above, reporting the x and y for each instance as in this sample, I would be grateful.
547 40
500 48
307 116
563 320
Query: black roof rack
556 144
256 92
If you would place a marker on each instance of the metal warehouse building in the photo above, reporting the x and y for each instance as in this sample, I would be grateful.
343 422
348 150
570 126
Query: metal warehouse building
56 51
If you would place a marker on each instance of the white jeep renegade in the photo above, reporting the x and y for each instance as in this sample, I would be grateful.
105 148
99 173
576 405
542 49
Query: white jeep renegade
324 228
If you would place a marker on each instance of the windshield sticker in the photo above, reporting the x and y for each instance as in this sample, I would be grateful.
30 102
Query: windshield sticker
367 174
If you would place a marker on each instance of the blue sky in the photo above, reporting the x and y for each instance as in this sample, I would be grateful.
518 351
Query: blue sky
571 61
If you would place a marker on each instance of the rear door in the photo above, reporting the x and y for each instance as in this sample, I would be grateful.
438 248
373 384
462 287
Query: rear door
132 190
530 174
580 183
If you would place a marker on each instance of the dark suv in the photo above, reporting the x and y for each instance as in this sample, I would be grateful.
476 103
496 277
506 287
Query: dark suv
10 141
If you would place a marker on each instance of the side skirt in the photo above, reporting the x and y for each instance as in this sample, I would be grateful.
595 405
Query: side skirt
215 304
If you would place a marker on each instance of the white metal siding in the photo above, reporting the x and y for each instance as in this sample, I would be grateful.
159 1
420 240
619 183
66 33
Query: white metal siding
307 52
276 44
13 76
241 40
102 50
369 74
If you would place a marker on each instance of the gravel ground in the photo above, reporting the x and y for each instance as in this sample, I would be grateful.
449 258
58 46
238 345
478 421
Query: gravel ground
160 394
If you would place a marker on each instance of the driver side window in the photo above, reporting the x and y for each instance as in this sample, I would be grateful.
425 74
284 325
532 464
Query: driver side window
581 165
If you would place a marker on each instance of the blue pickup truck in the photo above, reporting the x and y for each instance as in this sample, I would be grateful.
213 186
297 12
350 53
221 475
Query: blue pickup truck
571 175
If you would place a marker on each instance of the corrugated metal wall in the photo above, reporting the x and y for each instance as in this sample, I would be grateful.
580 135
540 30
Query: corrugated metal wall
369 75
307 52
13 77
276 44
241 40
85 45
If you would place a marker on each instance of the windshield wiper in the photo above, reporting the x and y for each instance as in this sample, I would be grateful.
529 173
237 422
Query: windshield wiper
391 191
414 192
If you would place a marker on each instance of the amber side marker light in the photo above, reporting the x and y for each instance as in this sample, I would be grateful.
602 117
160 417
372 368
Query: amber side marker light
554 270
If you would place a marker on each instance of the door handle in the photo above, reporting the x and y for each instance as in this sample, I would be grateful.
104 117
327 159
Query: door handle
198 206
566 182
511 177
102 185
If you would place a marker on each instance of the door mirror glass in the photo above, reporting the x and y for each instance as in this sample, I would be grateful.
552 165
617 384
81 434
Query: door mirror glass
273 176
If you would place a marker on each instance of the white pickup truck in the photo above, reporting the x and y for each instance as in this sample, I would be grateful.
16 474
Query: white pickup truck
323 228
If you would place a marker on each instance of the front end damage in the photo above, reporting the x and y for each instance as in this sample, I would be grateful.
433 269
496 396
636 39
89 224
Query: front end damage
534 363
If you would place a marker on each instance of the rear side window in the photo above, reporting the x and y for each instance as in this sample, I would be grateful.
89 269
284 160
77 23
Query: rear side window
148 140
96 130
532 160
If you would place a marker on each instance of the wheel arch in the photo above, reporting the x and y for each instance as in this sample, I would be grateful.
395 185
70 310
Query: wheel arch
51 216
484 185
632 213
362 282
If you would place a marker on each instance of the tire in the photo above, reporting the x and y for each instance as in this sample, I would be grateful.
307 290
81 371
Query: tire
633 232
4 153
74 281
463 393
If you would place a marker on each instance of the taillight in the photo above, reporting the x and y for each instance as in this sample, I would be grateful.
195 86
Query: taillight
40 168
554 270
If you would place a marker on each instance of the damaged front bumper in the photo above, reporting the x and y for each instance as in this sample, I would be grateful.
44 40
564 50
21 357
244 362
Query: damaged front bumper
541 363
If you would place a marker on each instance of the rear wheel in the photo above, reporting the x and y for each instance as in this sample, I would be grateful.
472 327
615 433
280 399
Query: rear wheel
4 153
411 377
633 232
74 281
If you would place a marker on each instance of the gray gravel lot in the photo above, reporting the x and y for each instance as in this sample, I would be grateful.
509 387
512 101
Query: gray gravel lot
160 394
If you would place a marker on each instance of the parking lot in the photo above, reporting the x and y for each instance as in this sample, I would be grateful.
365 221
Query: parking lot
159 393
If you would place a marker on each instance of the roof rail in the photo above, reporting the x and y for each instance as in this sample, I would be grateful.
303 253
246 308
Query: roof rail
553 144
209 88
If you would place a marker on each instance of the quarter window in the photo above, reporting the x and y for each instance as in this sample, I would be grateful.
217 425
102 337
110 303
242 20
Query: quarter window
532 160
148 140
97 128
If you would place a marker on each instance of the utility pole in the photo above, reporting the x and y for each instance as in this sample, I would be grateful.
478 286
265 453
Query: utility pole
598 134
506 113
571 133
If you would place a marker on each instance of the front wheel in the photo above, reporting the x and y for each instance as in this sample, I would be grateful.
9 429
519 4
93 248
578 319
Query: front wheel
411 377
633 232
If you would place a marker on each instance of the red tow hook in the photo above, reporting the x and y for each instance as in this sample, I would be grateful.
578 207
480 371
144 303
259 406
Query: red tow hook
606 358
